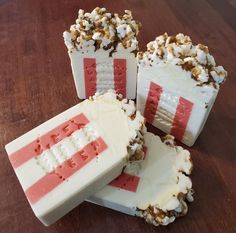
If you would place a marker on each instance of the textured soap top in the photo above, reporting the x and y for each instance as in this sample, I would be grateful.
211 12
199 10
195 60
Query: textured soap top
175 184
156 188
136 121
180 51
101 29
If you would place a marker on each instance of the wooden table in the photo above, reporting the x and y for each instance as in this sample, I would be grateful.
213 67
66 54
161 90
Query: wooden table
36 84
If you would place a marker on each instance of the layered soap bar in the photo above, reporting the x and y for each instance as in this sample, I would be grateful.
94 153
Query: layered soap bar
102 48
177 85
68 158
156 188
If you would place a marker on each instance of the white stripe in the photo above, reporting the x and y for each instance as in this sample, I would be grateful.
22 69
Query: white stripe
105 74
77 63
36 168
166 110
131 77
196 121
142 93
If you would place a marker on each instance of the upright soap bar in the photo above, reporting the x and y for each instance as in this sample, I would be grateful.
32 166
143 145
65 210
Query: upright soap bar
68 158
156 188
102 48
177 85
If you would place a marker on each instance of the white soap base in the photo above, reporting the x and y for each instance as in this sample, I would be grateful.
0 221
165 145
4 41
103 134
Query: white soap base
62 172
104 72
163 176
165 76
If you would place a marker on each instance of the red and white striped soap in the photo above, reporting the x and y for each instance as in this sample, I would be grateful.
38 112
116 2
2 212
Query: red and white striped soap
150 188
166 105
66 159
177 85
102 47
97 72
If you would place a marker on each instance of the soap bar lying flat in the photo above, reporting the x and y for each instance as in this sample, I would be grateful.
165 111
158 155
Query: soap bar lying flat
177 85
63 161
156 188
102 48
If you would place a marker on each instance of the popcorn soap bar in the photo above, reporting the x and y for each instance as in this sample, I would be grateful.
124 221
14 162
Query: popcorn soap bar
102 48
155 188
68 158
177 85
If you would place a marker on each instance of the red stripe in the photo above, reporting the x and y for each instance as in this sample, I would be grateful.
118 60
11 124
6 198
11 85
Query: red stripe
90 76
153 98
120 76
126 181
65 170
181 118
47 140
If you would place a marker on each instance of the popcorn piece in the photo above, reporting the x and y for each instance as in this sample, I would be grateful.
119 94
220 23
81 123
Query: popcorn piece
177 85
97 36
218 74
63 161
108 60
156 188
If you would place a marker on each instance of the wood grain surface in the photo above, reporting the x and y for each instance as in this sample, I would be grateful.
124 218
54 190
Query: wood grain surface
36 84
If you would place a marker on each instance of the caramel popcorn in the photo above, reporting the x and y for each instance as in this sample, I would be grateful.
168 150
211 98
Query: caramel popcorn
103 30
180 51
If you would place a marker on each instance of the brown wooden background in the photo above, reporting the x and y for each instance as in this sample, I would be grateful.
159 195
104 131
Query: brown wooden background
36 84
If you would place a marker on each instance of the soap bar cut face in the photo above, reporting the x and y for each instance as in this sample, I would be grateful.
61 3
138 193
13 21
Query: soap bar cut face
172 109
177 85
102 48
156 188
97 72
66 159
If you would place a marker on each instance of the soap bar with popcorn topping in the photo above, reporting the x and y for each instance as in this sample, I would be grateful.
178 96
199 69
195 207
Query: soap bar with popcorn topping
70 157
156 188
102 48
177 85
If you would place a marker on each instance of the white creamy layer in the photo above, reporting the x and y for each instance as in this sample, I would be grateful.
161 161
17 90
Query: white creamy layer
104 70
162 178
107 116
